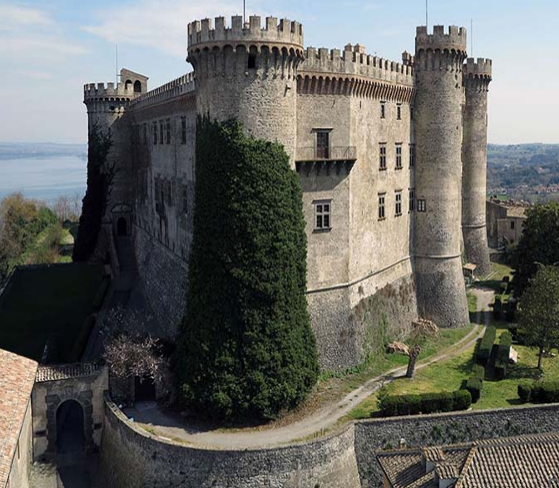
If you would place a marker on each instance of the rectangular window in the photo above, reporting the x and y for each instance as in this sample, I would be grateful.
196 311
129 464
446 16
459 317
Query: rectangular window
154 130
323 144
168 130
322 212
399 155
412 155
399 111
183 130
398 203
512 225
382 206
382 156
412 199
421 206
161 130
382 110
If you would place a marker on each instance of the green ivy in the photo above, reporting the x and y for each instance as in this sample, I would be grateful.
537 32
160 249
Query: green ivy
99 179
247 351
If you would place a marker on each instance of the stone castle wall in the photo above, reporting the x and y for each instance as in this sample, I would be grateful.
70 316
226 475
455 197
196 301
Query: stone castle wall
133 458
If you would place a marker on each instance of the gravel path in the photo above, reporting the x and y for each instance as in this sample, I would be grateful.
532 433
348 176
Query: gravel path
169 427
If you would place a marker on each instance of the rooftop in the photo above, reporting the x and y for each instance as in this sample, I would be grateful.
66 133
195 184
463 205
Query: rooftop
530 461
67 371
16 383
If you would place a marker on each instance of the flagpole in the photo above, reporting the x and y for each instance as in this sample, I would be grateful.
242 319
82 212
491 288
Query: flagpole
244 12
427 14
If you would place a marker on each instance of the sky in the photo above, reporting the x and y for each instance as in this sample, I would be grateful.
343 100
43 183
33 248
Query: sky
50 49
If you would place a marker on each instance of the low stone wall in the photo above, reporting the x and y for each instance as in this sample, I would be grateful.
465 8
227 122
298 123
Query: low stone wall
165 277
133 458
440 429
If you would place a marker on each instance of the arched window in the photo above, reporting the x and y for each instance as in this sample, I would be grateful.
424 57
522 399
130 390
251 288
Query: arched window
137 86
128 84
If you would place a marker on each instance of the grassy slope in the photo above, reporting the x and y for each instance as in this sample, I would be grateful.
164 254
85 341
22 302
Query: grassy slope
53 300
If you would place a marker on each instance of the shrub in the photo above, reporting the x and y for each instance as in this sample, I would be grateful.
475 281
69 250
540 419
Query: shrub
462 400
478 371
524 392
497 307
486 345
425 403
474 385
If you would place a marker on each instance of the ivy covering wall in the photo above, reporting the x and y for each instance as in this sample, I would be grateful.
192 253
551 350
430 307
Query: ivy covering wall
99 178
246 350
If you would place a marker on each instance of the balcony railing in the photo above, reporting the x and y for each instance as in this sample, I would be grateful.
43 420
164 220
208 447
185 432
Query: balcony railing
336 153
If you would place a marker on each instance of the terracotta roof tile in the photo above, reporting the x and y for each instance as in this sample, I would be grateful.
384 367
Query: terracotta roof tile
67 371
17 376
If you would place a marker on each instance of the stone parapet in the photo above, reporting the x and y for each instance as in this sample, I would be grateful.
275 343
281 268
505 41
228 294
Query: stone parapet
181 86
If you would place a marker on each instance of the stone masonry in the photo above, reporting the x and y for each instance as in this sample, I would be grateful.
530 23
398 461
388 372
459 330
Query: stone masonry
377 146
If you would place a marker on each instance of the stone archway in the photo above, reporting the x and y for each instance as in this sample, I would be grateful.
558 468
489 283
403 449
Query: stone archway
70 427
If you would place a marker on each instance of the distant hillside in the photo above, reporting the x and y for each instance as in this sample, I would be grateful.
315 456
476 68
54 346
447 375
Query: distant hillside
528 171
17 150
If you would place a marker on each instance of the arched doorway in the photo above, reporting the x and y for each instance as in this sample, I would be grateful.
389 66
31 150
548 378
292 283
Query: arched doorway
121 227
137 86
70 428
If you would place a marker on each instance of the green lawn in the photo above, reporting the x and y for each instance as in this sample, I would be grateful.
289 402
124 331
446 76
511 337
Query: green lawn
449 375
47 302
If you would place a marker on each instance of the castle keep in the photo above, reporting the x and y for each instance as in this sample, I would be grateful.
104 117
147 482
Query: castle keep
391 158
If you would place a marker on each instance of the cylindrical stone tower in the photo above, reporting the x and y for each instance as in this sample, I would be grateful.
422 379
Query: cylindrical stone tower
477 77
441 294
249 73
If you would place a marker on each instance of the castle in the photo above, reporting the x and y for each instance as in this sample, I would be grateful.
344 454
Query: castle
391 158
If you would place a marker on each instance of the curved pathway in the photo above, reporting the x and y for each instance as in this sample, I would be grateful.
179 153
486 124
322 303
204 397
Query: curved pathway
171 428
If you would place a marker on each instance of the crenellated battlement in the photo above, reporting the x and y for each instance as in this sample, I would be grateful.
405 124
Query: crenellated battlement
102 91
181 86
480 69
282 32
353 61
454 39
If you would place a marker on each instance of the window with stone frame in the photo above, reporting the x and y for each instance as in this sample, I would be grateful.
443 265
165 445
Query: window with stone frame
168 130
161 132
382 206
421 205
154 130
382 156
398 209
399 111
399 155
183 130
323 215
412 155
411 199
323 144
383 110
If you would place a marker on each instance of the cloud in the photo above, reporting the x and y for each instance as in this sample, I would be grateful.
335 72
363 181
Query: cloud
162 25
37 75
15 15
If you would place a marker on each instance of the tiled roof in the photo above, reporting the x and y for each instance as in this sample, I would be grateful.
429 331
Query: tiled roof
67 371
17 376
527 461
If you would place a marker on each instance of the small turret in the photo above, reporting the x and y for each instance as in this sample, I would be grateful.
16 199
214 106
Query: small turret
477 76
441 292
249 73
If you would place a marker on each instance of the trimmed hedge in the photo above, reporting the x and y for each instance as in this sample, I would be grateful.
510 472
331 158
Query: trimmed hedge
425 403
486 345
539 392
503 352
497 307
473 386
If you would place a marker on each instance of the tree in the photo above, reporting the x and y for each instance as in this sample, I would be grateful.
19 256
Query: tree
539 311
246 349
539 243
100 175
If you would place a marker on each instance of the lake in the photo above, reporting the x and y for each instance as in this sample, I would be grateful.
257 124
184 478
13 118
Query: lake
43 178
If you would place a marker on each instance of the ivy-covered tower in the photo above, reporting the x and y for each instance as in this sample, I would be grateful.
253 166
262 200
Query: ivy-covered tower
441 293
249 73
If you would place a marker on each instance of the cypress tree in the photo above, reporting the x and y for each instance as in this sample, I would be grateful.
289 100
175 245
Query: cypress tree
247 350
